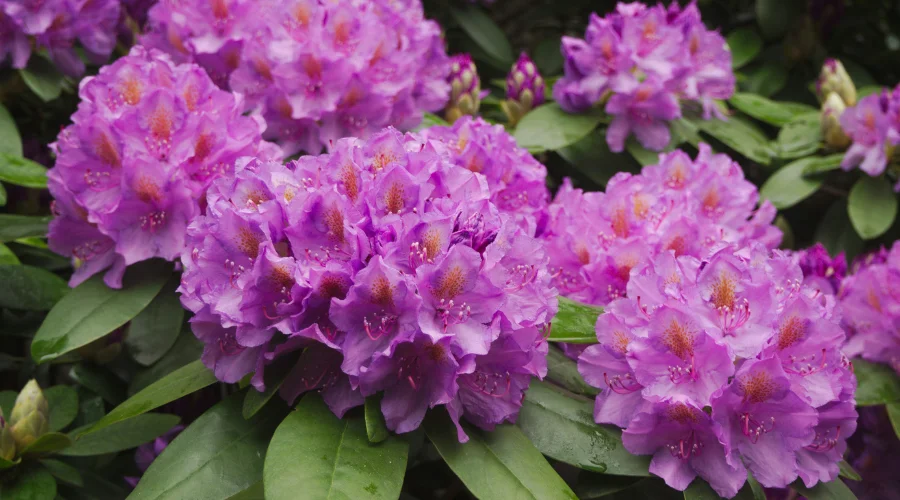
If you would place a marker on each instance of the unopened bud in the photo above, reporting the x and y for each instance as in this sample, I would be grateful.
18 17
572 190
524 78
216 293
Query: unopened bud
832 133
7 441
524 89
465 85
30 415
834 78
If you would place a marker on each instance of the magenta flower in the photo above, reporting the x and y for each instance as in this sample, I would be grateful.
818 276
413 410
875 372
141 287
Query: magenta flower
381 267
316 71
147 140
869 126
820 271
644 111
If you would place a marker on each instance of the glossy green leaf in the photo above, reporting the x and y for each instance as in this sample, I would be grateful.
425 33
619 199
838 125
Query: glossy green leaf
376 429
48 443
36 483
548 127
181 382
485 32
186 350
877 384
765 79
40 257
867 90
787 233
824 164
766 110
641 154
575 322
13 227
3 196
756 489
431 120
893 411
255 492
92 310
836 233
847 470
835 490
220 455
787 186
63 471
741 136
22 171
700 490
547 56
63 403
591 156
502 464
7 256
42 77
872 206
100 380
8 464
122 435
154 331
328 458
591 485
30 288
7 401
745 44
801 136
275 375
562 427
563 371
10 141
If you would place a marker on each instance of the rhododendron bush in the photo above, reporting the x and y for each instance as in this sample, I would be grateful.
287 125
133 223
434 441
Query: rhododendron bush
416 249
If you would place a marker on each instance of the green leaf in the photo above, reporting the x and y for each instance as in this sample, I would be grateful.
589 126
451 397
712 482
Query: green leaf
35 484
431 120
485 32
893 411
836 233
7 256
42 77
847 470
872 206
823 164
275 375
766 79
100 380
641 154
375 426
181 382
835 490
877 384
591 156
575 322
868 90
756 489
92 310
774 17
325 457
22 171
186 350
6 464
48 443
590 485
3 196
255 492
769 111
154 331
563 371
700 490
30 288
787 233
63 471
802 136
7 401
122 435
13 227
787 186
10 141
741 136
547 56
218 456
548 127
745 44
501 464
63 403
562 427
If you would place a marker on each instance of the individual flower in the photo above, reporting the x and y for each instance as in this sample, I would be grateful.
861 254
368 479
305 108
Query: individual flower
465 88
517 182
316 71
131 171
641 62
524 89
147 453
871 305
55 26
820 270
869 127
724 364
382 267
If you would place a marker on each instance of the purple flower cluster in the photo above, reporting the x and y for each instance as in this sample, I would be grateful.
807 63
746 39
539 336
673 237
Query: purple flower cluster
724 365
147 140
870 302
384 268
55 26
691 207
640 61
316 71
517 182
820 270
874 127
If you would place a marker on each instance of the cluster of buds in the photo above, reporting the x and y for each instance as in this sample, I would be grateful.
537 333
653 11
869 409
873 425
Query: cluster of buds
465 88
835 91
29 420
524 89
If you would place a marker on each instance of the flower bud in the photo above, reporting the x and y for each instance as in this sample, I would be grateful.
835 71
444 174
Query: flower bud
465 85
832 133
30 415
7 441
834 78
524 89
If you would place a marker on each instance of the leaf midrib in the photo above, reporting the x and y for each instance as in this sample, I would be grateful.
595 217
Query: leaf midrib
337 457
